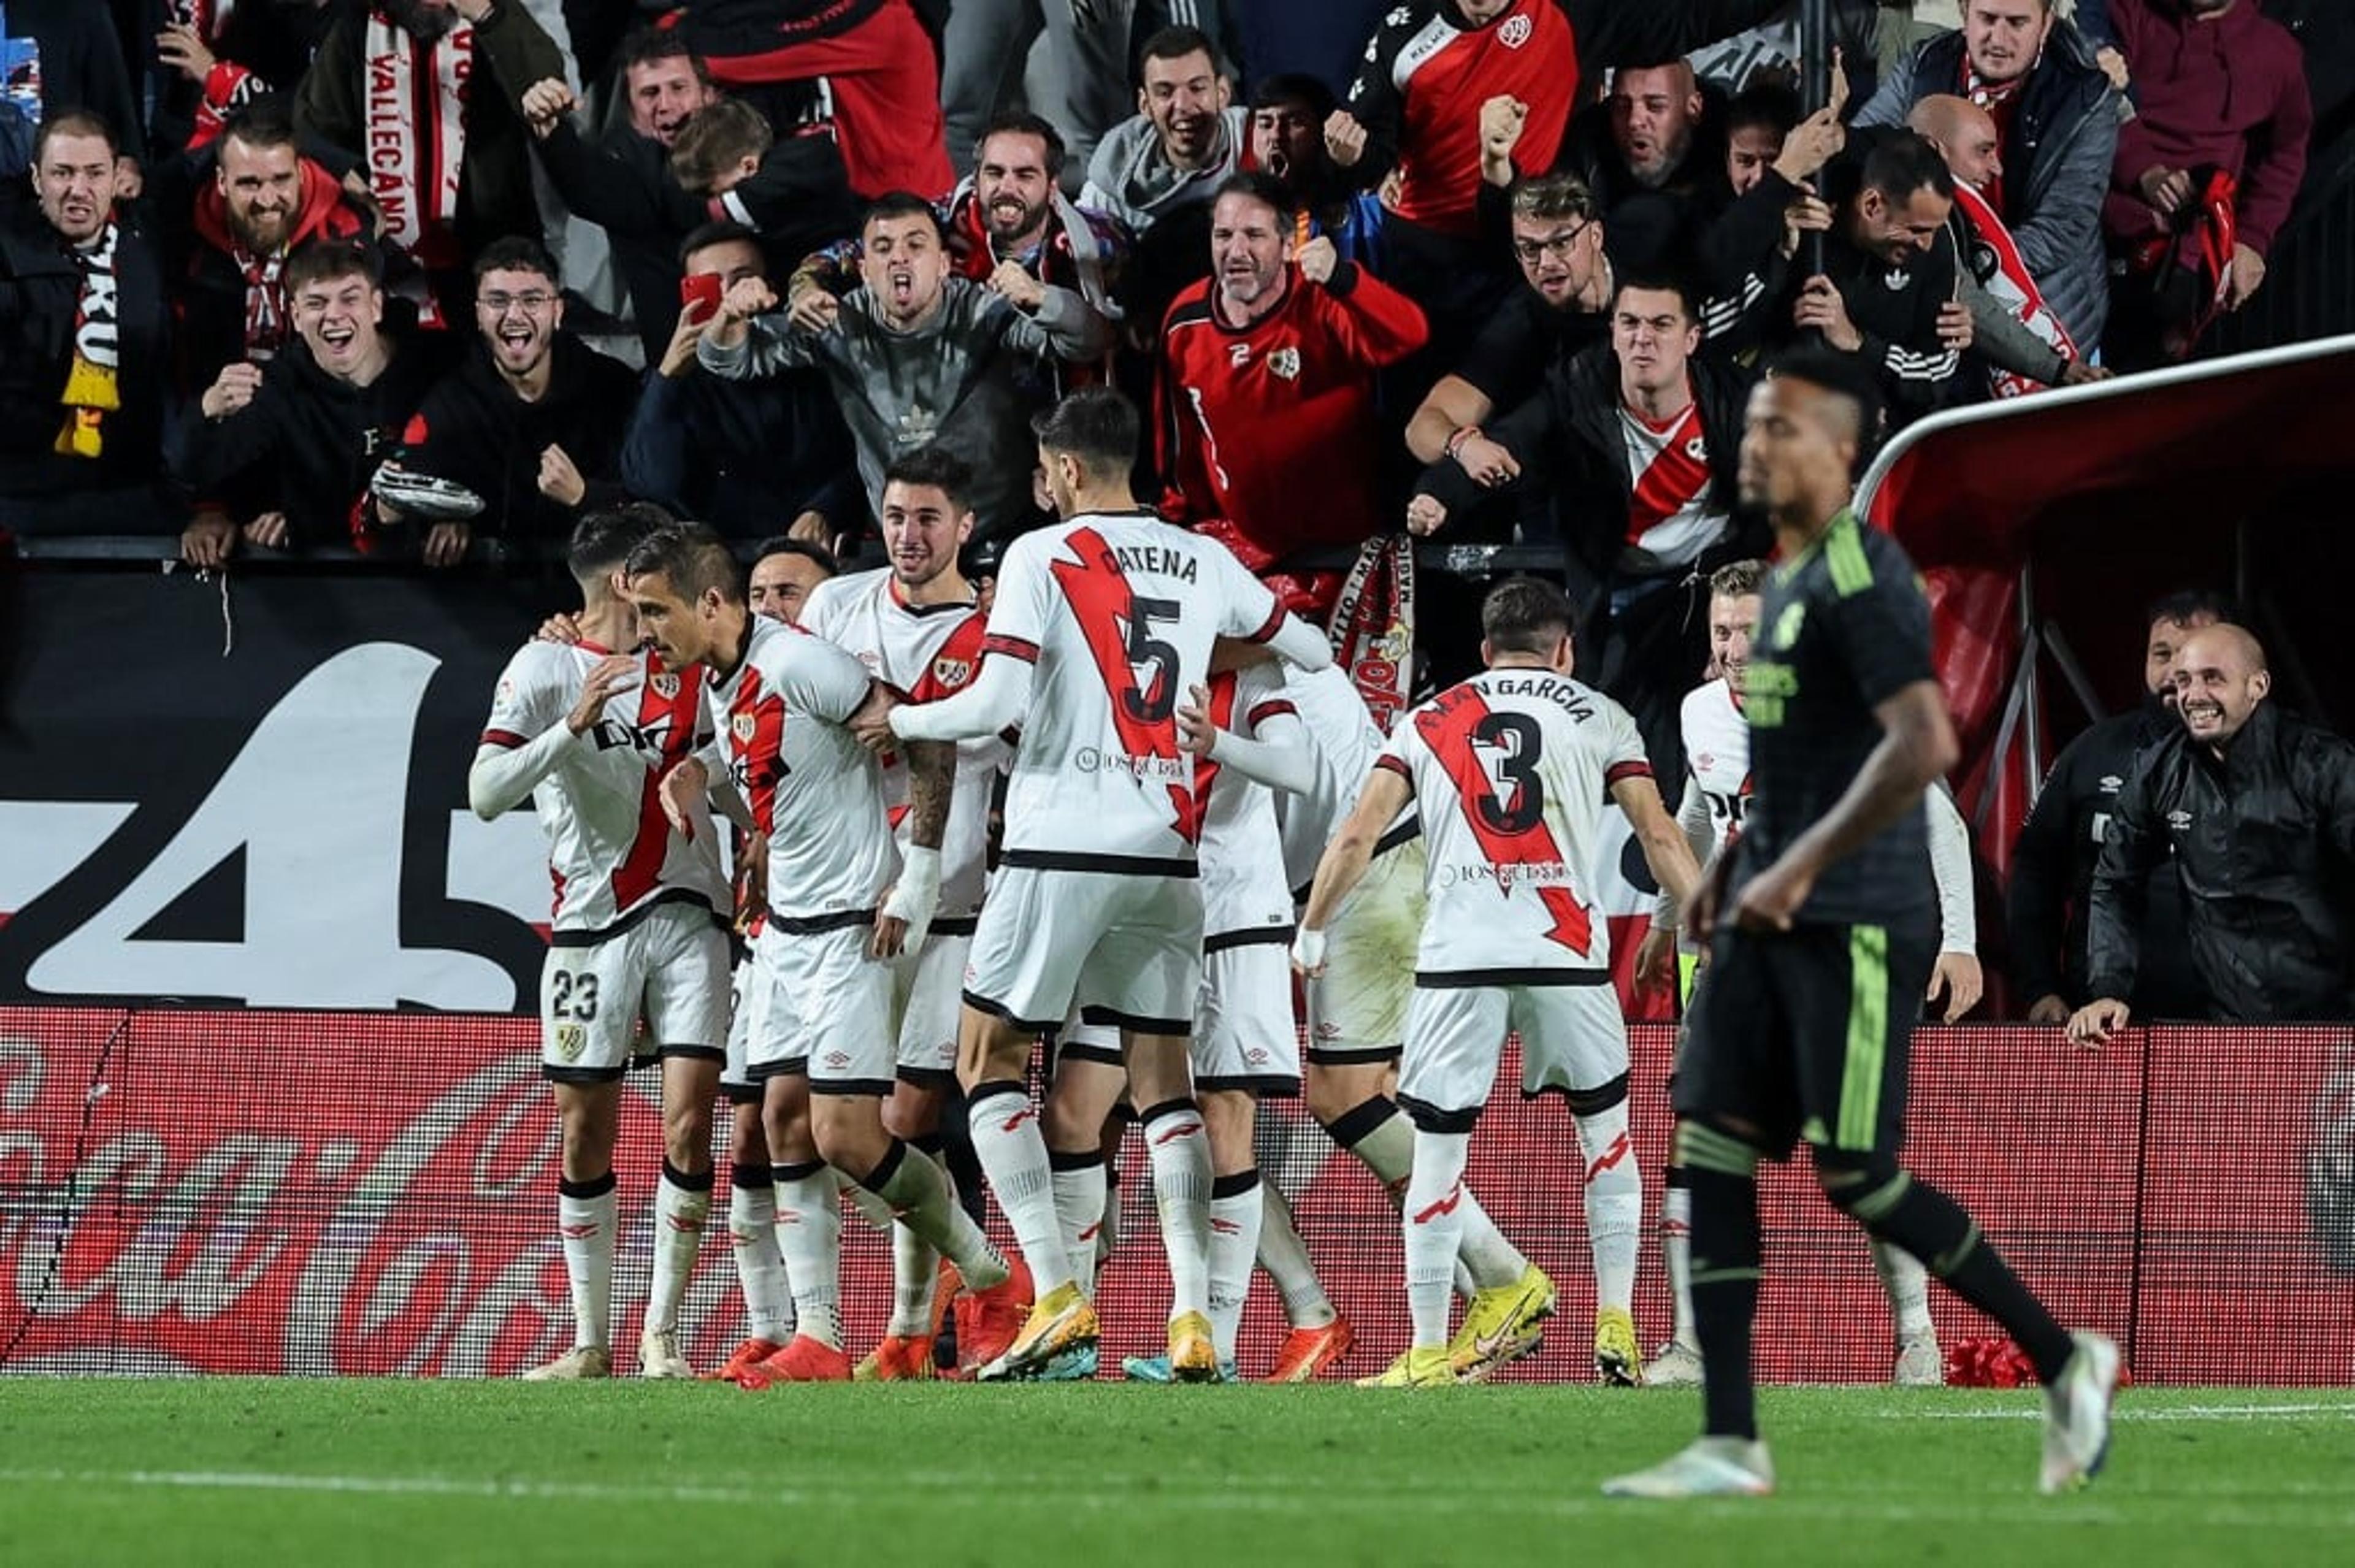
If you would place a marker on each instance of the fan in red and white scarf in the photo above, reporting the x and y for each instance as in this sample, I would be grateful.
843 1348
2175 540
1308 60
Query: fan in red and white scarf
1996 259
191 35
415 79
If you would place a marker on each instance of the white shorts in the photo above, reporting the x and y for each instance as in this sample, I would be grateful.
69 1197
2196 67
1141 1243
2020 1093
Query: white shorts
821 1009
1573 1042
1357 1008
927 998
1127 950
669 968
1243 1033
736 1085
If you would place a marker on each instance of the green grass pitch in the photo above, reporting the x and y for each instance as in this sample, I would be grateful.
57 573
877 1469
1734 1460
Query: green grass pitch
259 1471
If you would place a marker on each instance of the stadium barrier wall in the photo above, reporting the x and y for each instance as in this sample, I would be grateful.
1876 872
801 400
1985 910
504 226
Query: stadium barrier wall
186 1191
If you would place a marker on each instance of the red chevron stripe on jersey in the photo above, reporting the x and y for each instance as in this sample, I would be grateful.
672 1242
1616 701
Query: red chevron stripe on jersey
1106 610
668 704
756 738
1221 714
1456 727
1674 480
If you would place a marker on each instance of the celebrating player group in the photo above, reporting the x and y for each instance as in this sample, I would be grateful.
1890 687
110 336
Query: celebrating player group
1188 789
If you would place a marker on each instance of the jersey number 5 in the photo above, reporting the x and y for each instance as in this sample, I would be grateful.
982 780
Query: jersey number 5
1508 746
1152 695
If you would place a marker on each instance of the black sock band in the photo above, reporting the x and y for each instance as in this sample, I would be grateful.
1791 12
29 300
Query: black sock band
701 1182
595 1187
1674 1178
1234 1186
1725 1273
1153 1113
1084 1160
1351 1127
928 1143
886 1168
990 1089
752 1177
800 1170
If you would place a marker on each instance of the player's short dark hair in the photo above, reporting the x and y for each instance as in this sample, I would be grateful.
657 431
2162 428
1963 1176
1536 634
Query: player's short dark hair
1549 197
937 466
1022 123
1770 104
1256 185
901 203
1095 424
1660 280
1295 87
1737 578
786 544
602 539
716 138
727 230
2188 604
514 254
1899 162
693 558
645 45
263 123
316 261
74 123
1844 377
1525 615
1175 43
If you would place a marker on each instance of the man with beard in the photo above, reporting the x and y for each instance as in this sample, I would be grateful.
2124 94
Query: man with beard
82 345
424 97
917 355
263 199
2050 900
1267 427
297 443
529 426
622 182
1653 154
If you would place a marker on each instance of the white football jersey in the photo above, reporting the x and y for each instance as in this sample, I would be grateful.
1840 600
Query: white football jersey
811 788
610 851
1118 613
1717 753
924 652
1243 885
1512 770
1346 741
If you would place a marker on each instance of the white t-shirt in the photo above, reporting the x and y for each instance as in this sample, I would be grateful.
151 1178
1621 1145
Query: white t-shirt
611 852
1512 770
1717 752
924 652
1243 885
1118 613
811 788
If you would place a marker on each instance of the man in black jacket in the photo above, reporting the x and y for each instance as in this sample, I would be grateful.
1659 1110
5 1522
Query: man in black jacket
530 425
293 454
2047 902
2259 808
1638 443
83 345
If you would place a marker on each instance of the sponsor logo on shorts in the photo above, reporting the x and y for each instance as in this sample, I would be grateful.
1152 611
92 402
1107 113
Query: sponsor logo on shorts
1326 1029
836 1059
571 1039
1257 1056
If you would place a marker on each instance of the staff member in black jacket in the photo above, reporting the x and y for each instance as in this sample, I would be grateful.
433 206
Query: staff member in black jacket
293 455
1637 441
2260 809
2050 894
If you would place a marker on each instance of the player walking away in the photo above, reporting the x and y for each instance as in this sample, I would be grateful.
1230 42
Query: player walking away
1100 625
914 624
588 734
1510 771
1815 974
1356 1018
1717 789
841 905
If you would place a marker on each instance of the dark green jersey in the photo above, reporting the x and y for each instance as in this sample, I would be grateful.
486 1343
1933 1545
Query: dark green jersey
1842 628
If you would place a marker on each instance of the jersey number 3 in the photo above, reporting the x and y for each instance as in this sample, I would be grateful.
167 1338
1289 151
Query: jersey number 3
1508 746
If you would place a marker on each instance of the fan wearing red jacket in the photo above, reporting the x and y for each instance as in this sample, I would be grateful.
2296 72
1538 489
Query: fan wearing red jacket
1268 435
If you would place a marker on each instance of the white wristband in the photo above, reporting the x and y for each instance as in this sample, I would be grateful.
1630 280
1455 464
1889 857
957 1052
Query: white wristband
1309 950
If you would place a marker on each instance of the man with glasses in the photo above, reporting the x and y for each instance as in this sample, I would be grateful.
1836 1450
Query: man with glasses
523 435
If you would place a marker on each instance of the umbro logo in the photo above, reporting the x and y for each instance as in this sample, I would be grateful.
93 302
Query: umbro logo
2178 821
2112 784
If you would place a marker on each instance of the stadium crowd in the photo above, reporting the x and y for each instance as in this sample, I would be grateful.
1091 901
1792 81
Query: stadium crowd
472 279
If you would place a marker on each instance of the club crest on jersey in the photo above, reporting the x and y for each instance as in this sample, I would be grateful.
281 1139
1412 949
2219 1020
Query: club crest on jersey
1286 362
1697 449
1516 31
569 1040
744 726
952 672
665 686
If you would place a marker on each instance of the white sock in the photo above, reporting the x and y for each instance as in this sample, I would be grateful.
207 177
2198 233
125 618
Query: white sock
1078 1180
1432 1220
682 1207
1180 1149
1676 1252
1387 1149
1907 1284
1615 1205
1286 1257
1235 1208
1013 1156
809 1235
760 1267
584 1218
920 1194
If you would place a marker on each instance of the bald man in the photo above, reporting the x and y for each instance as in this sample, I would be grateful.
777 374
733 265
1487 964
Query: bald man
1965 135
2258 808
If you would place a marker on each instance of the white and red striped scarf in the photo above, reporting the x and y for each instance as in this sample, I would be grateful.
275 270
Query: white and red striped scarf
415 133
2011 282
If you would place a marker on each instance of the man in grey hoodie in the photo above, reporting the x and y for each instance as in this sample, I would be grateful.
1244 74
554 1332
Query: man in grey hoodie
916 355
1186 136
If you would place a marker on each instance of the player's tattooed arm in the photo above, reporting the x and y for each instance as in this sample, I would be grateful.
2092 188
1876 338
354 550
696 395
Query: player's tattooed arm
931 781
